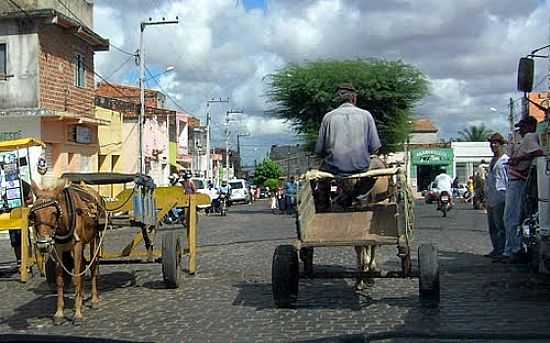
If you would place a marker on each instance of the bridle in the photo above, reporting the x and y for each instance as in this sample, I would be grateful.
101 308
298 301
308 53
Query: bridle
44 203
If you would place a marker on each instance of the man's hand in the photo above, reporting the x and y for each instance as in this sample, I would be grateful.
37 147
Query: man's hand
513 161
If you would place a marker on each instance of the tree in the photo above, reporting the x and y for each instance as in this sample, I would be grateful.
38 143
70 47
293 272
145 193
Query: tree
302 94
268 169
474 134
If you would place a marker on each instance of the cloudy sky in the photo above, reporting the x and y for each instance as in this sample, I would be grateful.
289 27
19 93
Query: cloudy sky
224 48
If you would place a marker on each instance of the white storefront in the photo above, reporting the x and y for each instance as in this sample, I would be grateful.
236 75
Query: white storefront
467 156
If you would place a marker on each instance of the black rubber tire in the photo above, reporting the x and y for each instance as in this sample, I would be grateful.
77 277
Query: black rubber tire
285 276
171 258
428 267
306 255
444 210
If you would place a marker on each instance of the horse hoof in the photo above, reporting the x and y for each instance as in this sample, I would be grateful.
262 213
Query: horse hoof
77 321
95 305
58 320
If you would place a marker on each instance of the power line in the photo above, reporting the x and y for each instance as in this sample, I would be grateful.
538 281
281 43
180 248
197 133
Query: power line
122 50
19 7
120 67
165 92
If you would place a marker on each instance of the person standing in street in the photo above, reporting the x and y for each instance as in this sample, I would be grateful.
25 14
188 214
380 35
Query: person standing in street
521 159
290 193
495 189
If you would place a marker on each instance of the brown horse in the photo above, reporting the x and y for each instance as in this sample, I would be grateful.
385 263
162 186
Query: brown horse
66 219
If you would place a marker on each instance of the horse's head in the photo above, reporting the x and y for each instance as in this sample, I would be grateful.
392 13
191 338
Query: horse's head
46 214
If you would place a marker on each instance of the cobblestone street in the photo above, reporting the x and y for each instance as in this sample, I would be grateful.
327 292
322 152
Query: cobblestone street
229 299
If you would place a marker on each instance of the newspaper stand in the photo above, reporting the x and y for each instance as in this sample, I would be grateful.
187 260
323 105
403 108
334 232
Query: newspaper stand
17 217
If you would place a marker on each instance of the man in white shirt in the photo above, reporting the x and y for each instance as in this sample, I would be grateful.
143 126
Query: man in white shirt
444 182
495 190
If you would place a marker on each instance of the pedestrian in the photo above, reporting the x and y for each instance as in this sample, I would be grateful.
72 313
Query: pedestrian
519 164
496 183
273 202
187 183
290 195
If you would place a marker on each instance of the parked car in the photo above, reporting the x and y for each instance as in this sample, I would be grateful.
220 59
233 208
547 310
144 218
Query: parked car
202 187
459 191
239 191
432 194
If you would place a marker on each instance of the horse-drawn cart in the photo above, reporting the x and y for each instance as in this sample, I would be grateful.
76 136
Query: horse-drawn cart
143 205
384 215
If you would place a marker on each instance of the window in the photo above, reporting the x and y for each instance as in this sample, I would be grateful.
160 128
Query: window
3 61
79 71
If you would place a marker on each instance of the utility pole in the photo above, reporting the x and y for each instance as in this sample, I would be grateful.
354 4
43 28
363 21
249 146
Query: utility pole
209 134
511 119
227 136
143 25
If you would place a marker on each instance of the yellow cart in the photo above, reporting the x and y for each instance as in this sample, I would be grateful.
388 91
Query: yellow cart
145 206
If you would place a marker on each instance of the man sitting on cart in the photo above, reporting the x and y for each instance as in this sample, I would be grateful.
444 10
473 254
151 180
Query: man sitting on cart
347 139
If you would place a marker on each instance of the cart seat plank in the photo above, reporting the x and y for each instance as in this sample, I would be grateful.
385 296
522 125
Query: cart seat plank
319 174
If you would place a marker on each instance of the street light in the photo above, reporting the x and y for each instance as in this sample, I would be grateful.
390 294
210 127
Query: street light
167 70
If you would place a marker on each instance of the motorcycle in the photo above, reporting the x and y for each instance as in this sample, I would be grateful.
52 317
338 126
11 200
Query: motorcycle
444 202
175 215
219 204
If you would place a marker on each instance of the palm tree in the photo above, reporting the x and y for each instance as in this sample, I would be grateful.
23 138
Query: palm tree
474 134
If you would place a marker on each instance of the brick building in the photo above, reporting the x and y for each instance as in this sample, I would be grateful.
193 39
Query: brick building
47 80
541 98
153 98
293 159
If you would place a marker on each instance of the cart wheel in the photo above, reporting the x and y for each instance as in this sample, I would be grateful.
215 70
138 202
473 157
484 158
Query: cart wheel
285 276
306 255
171 258
428 266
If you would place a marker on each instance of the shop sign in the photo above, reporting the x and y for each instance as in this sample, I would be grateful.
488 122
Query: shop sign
432 156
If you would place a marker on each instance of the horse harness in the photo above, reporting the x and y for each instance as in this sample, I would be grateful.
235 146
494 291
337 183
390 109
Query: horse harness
41 204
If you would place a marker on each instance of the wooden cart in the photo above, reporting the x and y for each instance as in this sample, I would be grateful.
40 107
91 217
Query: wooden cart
144 206
385 218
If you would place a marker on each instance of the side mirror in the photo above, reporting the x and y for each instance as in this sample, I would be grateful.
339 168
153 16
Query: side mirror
526 70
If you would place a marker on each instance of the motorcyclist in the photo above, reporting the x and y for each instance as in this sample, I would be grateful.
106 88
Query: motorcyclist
444 183
226 189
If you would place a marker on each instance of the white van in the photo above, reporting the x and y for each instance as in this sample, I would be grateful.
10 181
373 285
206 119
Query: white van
202 187
239 190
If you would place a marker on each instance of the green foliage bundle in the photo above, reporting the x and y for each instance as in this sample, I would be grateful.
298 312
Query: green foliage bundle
266 171
389 90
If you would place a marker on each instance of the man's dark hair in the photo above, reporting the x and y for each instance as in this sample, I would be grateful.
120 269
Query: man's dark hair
345 92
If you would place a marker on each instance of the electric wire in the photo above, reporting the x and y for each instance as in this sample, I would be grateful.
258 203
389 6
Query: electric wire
15 4
165 92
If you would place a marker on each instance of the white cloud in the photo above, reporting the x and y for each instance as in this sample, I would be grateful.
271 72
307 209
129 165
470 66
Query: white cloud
468 49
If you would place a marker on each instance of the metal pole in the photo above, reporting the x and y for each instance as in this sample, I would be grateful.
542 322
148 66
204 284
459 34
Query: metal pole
227 146
142 87
511 118
142 99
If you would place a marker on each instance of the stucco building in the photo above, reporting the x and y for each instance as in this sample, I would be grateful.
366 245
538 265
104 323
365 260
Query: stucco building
47 80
